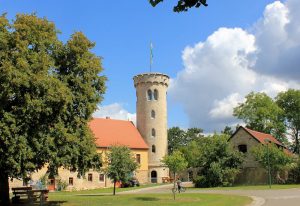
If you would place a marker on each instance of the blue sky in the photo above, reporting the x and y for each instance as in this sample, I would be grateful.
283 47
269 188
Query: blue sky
123 31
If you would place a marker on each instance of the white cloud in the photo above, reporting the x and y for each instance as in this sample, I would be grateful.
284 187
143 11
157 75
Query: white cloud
232 62
223 109
114 111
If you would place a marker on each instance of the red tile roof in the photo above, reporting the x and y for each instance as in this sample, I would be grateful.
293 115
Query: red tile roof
262 137
108 132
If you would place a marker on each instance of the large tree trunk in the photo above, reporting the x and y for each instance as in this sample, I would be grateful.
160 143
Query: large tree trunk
114 187
4 189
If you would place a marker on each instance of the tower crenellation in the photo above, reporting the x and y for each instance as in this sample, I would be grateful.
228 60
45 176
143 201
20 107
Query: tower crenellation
151 106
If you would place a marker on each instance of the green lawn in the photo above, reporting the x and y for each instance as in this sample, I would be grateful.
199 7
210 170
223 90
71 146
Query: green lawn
251 187
106 190
147 199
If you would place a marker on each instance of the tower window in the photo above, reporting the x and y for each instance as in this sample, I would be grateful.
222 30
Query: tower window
153 114
155 94
153 149
153 132
243 148
149 95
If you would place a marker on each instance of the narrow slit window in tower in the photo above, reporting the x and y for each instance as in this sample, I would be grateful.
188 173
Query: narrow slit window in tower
149 95
153 149
153 132
153 114
155 94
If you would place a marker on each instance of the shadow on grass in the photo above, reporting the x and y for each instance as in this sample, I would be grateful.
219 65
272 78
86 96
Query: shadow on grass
147 198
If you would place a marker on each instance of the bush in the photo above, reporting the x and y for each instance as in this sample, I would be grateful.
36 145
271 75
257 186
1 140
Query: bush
61 185
218 162
200 181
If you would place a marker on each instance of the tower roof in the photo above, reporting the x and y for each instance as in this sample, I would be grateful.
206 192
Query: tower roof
108 132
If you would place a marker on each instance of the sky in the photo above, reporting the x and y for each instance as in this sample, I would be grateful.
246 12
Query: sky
214 55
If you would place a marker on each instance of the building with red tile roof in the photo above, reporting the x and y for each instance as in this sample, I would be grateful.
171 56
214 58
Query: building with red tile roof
108 132
244 139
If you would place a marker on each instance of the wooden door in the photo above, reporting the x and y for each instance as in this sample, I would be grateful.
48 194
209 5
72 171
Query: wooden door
51 184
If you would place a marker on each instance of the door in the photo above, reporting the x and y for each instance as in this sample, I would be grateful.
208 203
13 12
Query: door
51 184
153 176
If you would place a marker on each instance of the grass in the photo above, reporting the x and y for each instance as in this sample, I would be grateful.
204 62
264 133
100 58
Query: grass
252 187
105 190
148 199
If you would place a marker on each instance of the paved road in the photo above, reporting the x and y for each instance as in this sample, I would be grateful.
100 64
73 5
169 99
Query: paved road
284 197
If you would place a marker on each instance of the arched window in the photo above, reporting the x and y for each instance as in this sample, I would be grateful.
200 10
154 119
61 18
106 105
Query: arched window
149 95
153 149
152 114
155 94
153 132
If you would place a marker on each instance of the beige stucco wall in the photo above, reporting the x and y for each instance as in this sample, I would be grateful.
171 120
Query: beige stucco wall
145 123
83 183
252 172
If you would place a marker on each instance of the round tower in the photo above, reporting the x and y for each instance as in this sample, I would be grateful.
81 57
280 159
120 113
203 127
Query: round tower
151 119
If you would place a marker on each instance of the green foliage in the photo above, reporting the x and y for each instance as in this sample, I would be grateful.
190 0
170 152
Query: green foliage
289 102
294 172
271 155
227 130
48 91
120 164
182 5
217 162
61 185
262 114
175 162
178 138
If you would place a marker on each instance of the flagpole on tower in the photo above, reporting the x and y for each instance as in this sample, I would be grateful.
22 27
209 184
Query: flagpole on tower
151 56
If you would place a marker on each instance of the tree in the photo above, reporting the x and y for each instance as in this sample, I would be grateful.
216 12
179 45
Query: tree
178 138
289 102
262 114
182 5
217 162
120 164
48 91
176 163
227 130
271 155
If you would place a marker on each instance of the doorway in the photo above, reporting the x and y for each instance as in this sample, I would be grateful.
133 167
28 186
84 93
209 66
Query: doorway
153 176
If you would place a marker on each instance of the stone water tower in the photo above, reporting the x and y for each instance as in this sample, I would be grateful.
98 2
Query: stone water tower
151 119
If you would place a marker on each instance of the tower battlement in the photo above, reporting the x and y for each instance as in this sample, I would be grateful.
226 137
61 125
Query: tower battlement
151 78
